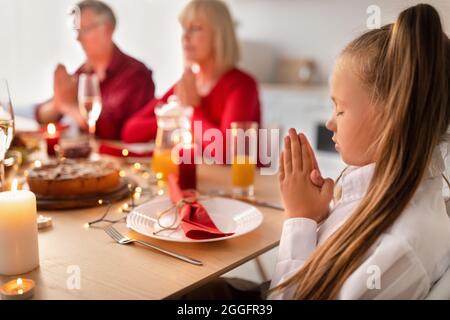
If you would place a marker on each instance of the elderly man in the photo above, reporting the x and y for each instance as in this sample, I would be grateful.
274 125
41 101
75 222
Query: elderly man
126 84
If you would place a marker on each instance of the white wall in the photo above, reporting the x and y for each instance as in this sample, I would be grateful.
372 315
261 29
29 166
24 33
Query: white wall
318 29
34 35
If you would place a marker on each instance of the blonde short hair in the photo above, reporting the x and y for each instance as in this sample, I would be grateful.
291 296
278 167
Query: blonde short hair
226 48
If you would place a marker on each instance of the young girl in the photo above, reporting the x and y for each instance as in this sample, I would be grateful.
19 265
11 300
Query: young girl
386 234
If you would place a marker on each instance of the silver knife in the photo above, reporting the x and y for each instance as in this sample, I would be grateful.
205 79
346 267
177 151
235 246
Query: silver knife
255 202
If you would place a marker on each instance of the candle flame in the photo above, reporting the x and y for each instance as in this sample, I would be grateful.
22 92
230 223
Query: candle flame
51 129
19 281
20 291
37 164
14 185
125 152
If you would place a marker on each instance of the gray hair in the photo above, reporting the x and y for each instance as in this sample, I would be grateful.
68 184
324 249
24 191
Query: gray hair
100 8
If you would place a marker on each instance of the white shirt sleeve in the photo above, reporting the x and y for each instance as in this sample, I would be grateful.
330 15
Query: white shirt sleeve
298 241
391 271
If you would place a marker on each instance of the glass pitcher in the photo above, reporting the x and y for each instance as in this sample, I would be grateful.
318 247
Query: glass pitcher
174 127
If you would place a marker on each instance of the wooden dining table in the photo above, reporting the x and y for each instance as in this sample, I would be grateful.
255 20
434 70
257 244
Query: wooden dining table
80 262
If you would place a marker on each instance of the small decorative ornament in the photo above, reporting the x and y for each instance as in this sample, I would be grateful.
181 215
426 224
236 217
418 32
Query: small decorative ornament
44 222
18 289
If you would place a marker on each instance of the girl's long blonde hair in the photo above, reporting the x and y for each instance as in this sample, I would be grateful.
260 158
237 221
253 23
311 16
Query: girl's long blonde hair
406 67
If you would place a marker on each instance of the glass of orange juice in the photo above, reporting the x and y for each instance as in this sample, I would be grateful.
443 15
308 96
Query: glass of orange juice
244 142
174 123
162 164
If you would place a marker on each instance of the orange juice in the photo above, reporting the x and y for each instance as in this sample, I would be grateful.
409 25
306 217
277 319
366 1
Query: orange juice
162 164
243 171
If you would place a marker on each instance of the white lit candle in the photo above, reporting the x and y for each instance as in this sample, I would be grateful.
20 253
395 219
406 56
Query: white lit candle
19 252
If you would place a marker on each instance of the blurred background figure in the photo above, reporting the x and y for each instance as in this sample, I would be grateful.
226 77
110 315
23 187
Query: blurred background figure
212 83
126 84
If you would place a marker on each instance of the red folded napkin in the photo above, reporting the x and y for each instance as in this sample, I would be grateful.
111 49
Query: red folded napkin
195 220
117 151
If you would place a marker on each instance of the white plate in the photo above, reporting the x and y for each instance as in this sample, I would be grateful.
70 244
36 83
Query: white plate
227 214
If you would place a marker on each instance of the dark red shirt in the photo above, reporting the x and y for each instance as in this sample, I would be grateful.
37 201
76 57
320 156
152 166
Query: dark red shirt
234 98
126 88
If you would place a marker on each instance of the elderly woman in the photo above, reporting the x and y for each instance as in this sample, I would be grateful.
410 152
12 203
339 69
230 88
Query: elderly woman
219 91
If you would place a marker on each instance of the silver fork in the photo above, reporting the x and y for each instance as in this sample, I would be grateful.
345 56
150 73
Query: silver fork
121 239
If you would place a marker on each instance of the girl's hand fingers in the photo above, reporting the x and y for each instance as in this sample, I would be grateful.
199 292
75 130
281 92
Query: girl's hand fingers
296 150
306 157
327 189
281 173
316 178
313 156
287 155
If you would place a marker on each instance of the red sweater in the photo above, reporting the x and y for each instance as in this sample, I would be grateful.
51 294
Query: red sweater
127 87
234 98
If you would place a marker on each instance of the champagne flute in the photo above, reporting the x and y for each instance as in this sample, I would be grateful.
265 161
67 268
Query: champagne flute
6 127
90 102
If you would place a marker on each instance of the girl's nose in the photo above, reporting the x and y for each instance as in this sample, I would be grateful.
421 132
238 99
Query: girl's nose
331 124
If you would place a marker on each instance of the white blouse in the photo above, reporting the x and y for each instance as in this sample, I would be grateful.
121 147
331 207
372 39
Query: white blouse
406 260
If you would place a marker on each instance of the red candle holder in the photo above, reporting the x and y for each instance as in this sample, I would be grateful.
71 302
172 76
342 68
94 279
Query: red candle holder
52 139
187 169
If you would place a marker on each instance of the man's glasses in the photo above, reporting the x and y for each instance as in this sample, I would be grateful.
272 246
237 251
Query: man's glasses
86 30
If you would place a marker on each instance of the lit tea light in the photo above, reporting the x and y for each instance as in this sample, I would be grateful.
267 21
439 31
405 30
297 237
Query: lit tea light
137 166
37 164
100 201
125 152
159 175
19 289
122 173
160 192
138 190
